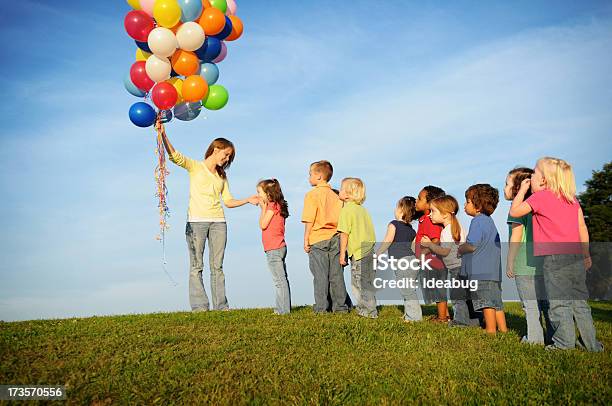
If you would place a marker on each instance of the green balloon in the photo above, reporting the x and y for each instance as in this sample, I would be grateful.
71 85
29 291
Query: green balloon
216 98
220 4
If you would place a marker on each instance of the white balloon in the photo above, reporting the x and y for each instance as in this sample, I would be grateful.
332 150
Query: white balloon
158 69
190 36
162 42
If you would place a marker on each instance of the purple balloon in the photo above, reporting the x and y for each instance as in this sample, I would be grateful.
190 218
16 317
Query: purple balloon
222 54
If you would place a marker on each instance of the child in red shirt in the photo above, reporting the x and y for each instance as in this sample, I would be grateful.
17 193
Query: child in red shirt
438 270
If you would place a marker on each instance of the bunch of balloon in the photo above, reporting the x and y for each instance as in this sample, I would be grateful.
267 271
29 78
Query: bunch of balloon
179 44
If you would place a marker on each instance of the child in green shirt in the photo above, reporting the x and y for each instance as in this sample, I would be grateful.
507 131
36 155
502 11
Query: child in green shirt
358 238
524 267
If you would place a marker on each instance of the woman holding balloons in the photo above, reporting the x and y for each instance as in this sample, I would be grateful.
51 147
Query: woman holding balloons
180 43
208 186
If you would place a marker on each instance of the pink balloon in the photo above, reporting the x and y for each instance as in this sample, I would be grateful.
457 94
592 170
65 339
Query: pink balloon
147 6
232 7
223 53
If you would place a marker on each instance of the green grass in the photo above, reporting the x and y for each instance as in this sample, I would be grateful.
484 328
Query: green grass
251 356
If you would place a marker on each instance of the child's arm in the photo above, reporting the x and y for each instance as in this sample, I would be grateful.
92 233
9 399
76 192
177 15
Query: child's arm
519 207
516 237
584 239
388 240
427 249
343 244
466 248
307 230
265 216
433 246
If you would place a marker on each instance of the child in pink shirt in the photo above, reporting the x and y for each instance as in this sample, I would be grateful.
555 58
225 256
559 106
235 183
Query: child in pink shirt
274 211
561 237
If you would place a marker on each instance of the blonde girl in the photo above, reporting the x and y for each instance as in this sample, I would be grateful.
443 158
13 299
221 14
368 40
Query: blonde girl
561 238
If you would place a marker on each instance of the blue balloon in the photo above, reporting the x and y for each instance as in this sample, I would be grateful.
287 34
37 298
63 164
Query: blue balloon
165 116
142 114
210 50
173 74
227 30
190 9
187 111
144 46
131 87
210 73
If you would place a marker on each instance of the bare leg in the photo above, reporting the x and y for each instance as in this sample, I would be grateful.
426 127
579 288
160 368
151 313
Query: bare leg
490 320
500 319
442 310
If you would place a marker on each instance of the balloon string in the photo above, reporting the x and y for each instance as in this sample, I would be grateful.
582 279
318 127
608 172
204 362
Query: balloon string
162 192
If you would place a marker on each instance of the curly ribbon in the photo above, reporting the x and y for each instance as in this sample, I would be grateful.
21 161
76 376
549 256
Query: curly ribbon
162 192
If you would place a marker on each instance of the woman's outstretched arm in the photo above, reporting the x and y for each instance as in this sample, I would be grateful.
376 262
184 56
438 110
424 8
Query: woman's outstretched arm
167 143
241 202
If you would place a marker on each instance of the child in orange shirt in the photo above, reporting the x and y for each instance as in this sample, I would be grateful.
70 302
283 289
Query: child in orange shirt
322 242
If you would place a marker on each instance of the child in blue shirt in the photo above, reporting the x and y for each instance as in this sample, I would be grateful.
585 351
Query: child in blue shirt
482 256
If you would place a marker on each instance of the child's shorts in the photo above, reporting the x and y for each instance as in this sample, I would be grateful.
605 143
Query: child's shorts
488 295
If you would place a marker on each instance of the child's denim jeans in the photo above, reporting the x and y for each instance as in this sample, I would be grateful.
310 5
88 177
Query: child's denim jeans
328 277
278 269
532 294
197 233
463 311
565 282
362 283
412 307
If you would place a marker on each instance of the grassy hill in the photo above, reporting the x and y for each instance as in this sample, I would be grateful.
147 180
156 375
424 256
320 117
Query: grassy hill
252 356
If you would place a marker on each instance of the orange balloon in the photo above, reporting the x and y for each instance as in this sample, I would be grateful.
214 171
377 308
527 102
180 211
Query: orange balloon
237 29
185 63
194 88
176 27
212 20
206 4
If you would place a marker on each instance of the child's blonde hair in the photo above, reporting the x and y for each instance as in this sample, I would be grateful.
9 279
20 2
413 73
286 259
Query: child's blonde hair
355 189
559 177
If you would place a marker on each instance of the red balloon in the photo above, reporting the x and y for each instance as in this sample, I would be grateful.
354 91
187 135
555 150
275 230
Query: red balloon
138 25
139 76
164 95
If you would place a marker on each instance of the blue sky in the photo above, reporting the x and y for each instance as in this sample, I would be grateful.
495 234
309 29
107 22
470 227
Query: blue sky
400 93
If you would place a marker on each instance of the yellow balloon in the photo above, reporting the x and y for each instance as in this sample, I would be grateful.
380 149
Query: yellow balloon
135 4
178 85
142 55
167 13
